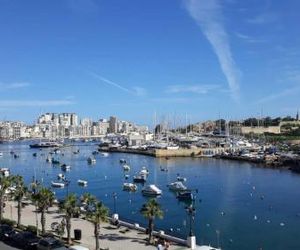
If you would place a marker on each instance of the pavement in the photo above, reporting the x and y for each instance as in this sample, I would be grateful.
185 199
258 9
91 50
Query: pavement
3 246
110 236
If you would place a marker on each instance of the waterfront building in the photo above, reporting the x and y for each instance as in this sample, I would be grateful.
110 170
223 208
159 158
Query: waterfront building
113 125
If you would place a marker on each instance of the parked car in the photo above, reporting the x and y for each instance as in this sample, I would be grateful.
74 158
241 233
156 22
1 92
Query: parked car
25 240
5 231
50 243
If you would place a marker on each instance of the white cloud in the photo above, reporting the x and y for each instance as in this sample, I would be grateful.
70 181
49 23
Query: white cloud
137 91
197 89
248 39
284 93
33 103
267 17
208 15
14 85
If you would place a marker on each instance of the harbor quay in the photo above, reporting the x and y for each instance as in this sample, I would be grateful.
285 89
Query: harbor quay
125 236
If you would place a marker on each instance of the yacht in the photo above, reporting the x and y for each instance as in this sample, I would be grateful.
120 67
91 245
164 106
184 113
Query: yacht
82 182
57 184
177 186
54 161
104 154
126 167
129 187
49 159
91 160
151 190
1 154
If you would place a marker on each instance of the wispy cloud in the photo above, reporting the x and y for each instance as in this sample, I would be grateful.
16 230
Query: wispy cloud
196 89
138 91
33 103
14 85
267 17
208 15
275 96
249 39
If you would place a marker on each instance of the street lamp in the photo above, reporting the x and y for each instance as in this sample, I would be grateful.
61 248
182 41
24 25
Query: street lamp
115 197
191 210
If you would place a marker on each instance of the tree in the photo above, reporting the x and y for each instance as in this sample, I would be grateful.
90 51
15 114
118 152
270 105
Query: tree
96 214
5 183
70 208
151 210
43 199
19 194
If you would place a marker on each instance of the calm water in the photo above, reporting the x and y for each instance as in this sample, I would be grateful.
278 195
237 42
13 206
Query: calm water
231 194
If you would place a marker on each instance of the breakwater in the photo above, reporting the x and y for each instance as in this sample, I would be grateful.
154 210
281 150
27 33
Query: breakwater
181 152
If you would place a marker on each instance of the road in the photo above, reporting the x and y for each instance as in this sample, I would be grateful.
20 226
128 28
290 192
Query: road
6 247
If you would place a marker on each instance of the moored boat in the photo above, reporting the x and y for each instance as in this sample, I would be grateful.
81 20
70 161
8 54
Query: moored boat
139 178
185 196
57 184
151 190
177 186
126 167
122 161
82 182
61 177
180 178
91 160
45 145
5 172
129 187
65 167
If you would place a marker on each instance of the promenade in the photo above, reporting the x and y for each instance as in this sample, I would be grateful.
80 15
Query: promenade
110 237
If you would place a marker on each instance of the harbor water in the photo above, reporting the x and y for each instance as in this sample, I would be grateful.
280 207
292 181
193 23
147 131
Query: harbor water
238 204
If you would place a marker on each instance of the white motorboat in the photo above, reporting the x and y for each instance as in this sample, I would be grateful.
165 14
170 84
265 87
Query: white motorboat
126 176
91 160
104 154
65 167
151 190
129 187
139 178
144 171
1 154
82 182
180 178
126 167
57 184
177 186
61 177
5 172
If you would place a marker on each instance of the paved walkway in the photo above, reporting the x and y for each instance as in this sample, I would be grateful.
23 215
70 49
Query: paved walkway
110 237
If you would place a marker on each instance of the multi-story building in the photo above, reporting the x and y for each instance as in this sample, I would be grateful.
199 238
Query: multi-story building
113 125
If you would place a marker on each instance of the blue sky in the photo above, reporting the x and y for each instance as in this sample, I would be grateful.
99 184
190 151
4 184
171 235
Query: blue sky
132 58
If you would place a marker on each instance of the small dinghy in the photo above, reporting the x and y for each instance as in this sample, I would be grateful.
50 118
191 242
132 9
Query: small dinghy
82 182
57 184
129 187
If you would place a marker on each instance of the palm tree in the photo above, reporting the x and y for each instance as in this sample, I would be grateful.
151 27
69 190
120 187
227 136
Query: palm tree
5 183
19 194
96 214
69 207
151 210
43 199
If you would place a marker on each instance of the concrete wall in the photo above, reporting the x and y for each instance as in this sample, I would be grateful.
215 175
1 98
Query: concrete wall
261 130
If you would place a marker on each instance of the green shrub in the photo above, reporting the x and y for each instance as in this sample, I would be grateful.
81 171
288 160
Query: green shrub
22 227
8 222
31 229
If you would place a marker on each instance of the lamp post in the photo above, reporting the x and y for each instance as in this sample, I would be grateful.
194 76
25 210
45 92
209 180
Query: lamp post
191 240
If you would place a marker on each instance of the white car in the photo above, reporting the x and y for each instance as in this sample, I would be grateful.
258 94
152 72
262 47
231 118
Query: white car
78 247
